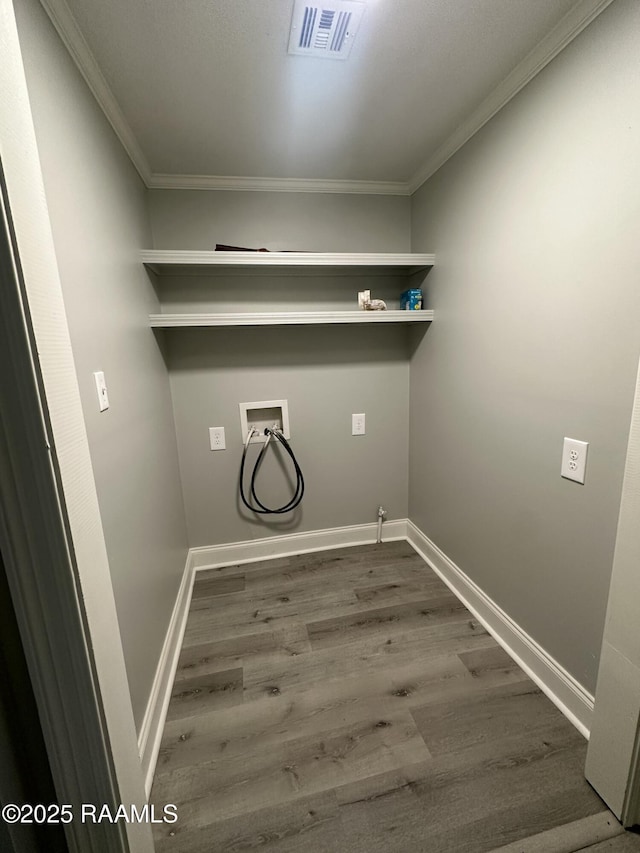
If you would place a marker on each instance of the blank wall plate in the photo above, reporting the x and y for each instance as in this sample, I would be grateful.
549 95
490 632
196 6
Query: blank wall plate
574 459
358 424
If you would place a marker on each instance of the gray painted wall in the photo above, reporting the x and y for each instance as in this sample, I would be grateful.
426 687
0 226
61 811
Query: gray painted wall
326 373
312 222
535 227
99 221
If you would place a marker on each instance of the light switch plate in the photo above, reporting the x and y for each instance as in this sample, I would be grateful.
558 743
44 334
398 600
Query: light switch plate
101 388
574 459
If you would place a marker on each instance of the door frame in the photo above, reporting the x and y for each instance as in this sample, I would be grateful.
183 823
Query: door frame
50 527
613 756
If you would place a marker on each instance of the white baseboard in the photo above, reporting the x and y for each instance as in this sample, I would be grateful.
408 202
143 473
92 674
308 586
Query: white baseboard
155 715
252 550
565 692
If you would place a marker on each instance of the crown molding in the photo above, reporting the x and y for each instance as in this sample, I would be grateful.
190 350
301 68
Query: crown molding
571 25
283 185
72 38
71 35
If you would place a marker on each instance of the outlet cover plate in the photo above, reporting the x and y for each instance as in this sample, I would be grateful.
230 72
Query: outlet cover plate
216 438
574 459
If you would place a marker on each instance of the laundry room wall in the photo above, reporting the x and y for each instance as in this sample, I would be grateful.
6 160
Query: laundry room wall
280 221
535 226
326 373
99 220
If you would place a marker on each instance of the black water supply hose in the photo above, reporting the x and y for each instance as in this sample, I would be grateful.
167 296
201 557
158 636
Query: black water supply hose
257 505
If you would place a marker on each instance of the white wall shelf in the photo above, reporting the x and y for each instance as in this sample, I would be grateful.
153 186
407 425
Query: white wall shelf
179 263
287 318
167 262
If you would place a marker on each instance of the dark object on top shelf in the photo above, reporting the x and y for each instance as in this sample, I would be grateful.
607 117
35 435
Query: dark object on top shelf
220 247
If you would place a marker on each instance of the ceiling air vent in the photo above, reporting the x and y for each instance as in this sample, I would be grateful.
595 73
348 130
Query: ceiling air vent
325 30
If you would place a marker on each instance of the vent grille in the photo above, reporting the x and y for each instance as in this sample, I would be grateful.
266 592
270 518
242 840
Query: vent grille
326 30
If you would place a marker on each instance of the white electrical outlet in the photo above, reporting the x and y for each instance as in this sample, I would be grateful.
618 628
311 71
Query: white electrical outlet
574 459
358 424
101 388
216 438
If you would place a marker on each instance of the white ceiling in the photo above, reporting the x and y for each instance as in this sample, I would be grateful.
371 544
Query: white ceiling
207 88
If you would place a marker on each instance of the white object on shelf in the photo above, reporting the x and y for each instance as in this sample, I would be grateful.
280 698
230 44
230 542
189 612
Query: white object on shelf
368 304
287 318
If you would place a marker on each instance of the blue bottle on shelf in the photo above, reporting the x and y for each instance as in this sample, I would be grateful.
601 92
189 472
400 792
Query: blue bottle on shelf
411 300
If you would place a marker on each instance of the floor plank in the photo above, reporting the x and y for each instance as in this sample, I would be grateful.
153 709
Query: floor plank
358 566
372 654
208 587
267 647
627 843
246 617
472 802
346 702
510 711
205 693
232 785
568 837
377 621
307 822
274 719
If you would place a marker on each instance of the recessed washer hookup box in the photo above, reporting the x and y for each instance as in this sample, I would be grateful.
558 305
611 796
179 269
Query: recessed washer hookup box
266 413
411 300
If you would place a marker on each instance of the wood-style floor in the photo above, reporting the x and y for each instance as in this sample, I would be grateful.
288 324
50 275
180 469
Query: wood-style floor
346 702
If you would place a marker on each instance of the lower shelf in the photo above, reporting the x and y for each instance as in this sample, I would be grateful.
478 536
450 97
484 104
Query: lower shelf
288 318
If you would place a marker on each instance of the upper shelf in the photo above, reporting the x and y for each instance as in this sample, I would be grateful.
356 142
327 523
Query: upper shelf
287 318
168 262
